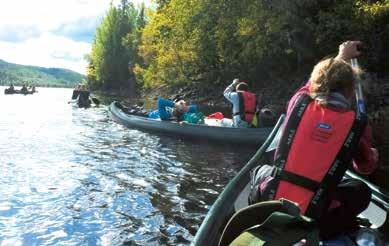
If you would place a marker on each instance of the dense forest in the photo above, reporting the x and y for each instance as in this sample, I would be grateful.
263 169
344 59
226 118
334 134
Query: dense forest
206 43
39 76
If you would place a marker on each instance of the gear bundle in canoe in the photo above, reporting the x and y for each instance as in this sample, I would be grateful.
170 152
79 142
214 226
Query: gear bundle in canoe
220 134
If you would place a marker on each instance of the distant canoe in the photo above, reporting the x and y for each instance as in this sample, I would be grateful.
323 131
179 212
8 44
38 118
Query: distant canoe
230 135
10 92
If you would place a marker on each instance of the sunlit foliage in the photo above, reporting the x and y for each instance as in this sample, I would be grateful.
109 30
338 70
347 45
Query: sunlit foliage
114 51
210 42
213 41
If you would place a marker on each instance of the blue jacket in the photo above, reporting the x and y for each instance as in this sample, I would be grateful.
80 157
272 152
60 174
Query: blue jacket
166 108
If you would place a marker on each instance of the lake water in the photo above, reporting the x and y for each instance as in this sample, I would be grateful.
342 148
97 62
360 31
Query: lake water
72 176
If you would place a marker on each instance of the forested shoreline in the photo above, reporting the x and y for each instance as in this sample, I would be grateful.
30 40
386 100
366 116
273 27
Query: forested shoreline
205 44
18 75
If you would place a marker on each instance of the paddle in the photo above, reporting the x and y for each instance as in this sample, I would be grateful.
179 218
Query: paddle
95 101
358 90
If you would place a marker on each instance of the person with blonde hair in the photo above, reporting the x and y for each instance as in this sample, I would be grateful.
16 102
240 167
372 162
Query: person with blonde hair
321 136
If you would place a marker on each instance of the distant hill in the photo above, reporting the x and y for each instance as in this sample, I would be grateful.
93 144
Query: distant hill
39 76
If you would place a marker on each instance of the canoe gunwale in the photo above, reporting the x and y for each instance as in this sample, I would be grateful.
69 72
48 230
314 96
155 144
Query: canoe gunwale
211 228
206 233
246 136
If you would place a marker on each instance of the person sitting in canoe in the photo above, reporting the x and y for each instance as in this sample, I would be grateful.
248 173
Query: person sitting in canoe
11 89
244 103
84 100
24 89
32 88
168 109
322 135
76 92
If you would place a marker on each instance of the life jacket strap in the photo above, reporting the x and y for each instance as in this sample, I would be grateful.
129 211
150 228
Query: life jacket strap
242 109
297 179
320 200
338 168
285 142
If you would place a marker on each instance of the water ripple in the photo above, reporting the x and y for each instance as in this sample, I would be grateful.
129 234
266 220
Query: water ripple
73 177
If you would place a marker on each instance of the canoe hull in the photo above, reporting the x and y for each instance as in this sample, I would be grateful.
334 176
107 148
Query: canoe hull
9 92
250 136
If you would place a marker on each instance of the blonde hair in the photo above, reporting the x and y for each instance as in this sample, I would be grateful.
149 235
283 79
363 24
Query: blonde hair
332 75
242 86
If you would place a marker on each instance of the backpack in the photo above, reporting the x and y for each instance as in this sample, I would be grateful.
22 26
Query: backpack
194 118
270 223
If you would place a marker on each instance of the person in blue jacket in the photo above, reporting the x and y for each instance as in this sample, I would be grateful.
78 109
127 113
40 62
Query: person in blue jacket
168 109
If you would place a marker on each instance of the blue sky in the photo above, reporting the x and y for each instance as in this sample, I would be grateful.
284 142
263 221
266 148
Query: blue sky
50 33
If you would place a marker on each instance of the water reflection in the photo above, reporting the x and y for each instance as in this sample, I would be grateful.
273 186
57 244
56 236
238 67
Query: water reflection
72 176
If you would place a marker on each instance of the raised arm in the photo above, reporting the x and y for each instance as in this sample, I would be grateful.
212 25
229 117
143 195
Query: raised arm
229 91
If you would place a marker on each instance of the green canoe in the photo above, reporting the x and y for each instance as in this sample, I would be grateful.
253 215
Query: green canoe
235 194
250 136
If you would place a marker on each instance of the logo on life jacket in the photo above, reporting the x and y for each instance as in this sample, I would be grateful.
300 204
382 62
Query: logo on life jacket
324 126
322 133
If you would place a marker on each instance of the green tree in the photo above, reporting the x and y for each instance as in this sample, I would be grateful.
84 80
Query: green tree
111 55
212 41
132 41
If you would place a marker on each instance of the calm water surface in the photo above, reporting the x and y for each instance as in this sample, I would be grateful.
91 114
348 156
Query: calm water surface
72 176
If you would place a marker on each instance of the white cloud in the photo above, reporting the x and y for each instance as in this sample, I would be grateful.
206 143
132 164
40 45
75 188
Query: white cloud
47 51
50 33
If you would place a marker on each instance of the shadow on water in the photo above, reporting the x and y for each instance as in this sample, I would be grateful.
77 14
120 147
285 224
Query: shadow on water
72 176
169 184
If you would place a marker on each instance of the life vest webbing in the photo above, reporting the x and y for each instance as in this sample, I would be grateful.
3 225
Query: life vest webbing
337 169
299 180
242 109
334 173
285 144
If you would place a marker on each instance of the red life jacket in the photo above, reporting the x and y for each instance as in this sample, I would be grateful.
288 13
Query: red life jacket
314 152
247 105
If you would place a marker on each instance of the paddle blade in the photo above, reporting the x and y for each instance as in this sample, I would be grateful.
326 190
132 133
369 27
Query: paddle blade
95 100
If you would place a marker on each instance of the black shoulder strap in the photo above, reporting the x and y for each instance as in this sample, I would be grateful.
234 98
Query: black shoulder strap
339 166
291 128
284 147
334 174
